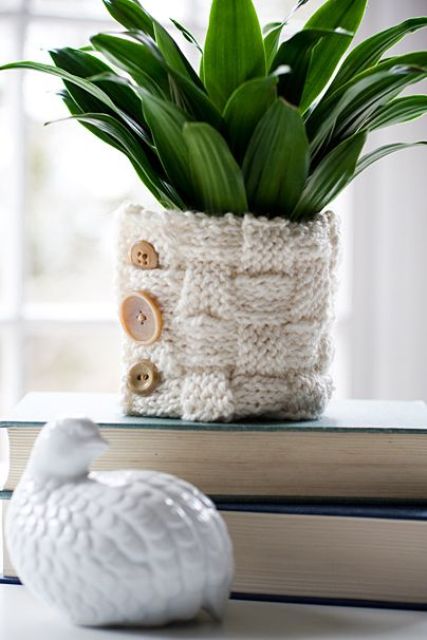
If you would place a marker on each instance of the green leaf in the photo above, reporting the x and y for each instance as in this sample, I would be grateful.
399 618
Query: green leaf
271 26
271 42
134 17
333 14
183 91
357 114
382 152
129 145
193 101
141 60
122 94
297 52
234 48
91 88
358 102
217 179
277 161
187 35
272 33
298 5
412 59
245 108
331 99
174 57
333 173
87 66
369 52
76 110
166 123
131 15
398 111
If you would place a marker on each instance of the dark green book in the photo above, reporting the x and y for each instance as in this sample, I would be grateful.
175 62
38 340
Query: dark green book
364 555
358 449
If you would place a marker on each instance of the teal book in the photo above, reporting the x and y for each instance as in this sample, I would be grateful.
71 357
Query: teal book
359 449
349 554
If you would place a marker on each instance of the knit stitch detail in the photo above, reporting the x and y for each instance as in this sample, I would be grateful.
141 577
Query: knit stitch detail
247 304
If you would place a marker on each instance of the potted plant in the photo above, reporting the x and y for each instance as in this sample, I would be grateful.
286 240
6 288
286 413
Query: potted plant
226 295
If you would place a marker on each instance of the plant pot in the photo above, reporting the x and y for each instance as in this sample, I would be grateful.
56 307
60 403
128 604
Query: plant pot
225 317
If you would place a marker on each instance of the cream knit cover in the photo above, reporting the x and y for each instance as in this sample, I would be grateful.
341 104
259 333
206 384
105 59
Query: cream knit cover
247 305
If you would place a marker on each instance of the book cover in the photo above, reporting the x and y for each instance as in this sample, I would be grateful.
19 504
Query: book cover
357 450
350 554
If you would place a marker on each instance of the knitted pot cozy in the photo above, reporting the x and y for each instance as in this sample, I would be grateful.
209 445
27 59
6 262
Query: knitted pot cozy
246 306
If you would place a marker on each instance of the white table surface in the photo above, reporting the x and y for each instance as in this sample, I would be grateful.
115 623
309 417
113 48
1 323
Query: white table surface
23 618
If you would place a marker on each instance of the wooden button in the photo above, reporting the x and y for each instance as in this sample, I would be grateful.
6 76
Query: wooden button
143 255
143 378
141 317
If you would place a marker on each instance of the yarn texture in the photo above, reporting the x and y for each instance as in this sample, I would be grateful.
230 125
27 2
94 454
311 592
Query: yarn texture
247 306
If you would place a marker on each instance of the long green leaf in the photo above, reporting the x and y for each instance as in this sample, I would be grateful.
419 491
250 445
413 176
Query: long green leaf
295 8
186 95
115 130
234 48
131 15
331 99
166 123
91 88
245 108
412 59
187 34
382 152
273 31
272 26
297 53
84 65
76 110
277 161
193 101
357 103
141 60
216 176
356 115
271 42
369 52
398 111
329 178
134 17
121 93
152 178
333 14
174 57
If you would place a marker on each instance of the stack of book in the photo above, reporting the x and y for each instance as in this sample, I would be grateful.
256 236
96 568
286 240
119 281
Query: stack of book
333 510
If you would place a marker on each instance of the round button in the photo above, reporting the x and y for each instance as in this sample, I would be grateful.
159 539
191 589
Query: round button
143 378
141 317
142 254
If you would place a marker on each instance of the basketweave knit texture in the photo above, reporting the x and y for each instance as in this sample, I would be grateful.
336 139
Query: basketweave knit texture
247 305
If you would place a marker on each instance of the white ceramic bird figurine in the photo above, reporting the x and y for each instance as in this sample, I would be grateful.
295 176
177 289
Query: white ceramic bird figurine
125 547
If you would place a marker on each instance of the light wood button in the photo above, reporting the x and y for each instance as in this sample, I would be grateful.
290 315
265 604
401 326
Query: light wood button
143 255
141 317
143 377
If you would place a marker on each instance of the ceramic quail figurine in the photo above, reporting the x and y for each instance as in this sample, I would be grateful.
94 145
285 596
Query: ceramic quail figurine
126 547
